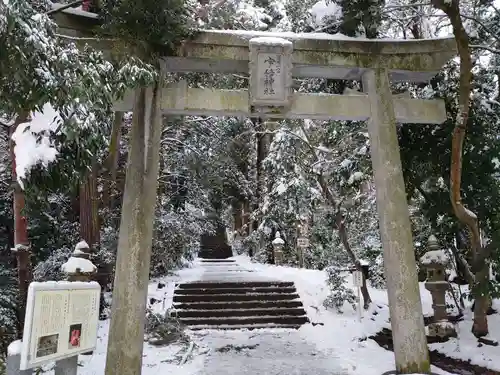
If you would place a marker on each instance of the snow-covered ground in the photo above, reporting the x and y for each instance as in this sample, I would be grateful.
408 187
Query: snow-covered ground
332 347
342 331
466 347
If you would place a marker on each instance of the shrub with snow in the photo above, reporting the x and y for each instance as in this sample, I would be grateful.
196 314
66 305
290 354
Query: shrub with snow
9 322
339 293
50 269
164 329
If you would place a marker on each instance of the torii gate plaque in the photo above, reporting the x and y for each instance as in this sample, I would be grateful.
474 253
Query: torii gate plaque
376 63
270 74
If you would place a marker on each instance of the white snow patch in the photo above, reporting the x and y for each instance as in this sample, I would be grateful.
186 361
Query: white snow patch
278 240
340 334
356 176
77 11
15 347
466 346
323 36
325 9
32 141
434 256
82 245
346 163
496 163
78 265
64 284
335 335
364 262
271 40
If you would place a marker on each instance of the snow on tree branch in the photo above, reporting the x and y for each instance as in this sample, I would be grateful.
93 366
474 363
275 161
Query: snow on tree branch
32 141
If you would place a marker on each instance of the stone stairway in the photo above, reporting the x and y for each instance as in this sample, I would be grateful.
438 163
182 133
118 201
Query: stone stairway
232 299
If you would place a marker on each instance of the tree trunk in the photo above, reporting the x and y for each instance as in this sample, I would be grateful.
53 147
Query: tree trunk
126 333
237 216
345 241
21 241
90 228
261 154
246 216
465 216
89 214
111 163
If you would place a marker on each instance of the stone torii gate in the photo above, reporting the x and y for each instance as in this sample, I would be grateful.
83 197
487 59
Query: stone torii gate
272 60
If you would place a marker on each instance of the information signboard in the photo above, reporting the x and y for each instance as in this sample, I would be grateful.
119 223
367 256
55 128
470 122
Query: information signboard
357 279
303 242
61 321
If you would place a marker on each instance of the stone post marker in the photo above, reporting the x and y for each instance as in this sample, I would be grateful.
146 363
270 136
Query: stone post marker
435 261
278 249
13 362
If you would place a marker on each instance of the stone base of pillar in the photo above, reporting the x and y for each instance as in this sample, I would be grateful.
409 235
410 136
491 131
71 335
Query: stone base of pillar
278 257
442 329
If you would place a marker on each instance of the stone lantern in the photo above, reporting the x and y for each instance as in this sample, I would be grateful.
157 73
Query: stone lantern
435 261
278 244
79 267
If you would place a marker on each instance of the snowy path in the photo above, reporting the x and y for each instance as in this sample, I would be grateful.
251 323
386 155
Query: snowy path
269 352
230 272
331 349
263 351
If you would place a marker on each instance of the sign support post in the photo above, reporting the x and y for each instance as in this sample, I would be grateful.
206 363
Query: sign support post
357 277
302 243
13 365
67 366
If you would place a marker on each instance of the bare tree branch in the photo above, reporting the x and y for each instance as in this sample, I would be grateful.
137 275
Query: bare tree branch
487 48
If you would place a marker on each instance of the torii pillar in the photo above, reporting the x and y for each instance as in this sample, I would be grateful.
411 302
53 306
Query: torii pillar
407 320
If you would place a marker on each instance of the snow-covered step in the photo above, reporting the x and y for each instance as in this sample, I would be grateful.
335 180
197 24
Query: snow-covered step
232 304
225 270
218 264
246 326
215 253
198 313
235 297
223 284
217 260
240 290
224 305
279 319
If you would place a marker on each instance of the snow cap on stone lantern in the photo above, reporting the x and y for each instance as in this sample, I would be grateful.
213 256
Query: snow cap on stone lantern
278 249
278 241
82 250
79 267
434 260
434 255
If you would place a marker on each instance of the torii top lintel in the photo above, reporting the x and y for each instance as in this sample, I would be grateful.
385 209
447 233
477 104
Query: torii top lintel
316 55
